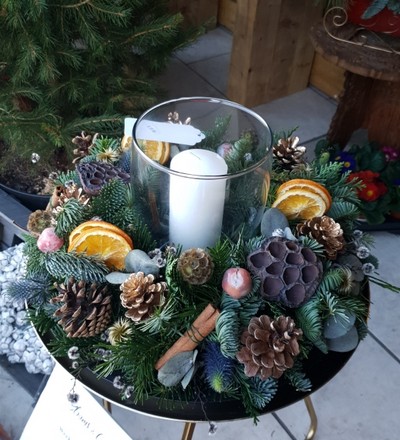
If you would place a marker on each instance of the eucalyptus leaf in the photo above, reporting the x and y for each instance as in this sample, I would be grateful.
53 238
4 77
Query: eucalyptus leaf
138 261
176 368
345 343
187 378
336 327
272 220
117 277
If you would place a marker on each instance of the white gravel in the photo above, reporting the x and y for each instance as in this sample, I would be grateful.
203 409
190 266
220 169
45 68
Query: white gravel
18 340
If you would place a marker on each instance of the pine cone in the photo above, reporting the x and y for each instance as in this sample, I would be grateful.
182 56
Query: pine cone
140 295
83 142
94 175
86 310
63 193
288 153
195 266
269 347
289 273
326 231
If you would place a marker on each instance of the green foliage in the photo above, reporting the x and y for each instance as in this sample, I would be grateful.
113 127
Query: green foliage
105 149
72 66
376 6
63 265
254 392
298 378
215 136
308 318
227 327
69 217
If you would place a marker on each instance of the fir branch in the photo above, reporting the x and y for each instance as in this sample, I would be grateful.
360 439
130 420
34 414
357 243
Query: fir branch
221 255
160 318
297 378
41 320
312 244
65 265
237 159
250 304
308 318
215 136
67 177
227 327
331 281
71 215
341 210
255 393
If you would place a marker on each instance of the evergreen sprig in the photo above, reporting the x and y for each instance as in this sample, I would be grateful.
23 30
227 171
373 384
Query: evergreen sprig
71 215
298 378
72 66
64 265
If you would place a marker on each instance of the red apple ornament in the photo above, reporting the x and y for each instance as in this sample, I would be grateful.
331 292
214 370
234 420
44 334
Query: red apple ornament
48 241
237 282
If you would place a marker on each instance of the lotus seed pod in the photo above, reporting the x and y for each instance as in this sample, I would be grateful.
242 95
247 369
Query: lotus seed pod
289 273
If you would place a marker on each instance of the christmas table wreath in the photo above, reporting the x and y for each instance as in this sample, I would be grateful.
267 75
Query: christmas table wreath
232 321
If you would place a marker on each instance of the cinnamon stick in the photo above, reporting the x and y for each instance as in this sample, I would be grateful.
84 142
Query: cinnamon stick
203 325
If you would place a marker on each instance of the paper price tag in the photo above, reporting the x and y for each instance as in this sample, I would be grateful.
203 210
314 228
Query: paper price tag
167 132
55 418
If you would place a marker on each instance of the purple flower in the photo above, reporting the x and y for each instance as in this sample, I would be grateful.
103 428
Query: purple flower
348 160
391 153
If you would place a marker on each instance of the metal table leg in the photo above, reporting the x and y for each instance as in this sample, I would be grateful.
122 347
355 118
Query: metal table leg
188 430
313 418
107 405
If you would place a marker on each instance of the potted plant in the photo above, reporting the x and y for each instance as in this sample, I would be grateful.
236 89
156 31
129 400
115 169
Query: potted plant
377 169
375 15
72 66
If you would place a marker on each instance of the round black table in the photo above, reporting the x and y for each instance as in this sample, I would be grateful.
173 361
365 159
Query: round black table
320 368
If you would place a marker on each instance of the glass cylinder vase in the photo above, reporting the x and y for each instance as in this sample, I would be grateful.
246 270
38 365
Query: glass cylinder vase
201 171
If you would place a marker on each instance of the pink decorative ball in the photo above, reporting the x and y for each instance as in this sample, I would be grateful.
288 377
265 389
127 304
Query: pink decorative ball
224 149
237 282
48 241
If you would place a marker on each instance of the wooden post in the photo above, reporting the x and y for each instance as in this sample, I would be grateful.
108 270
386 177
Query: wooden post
272 53
196 12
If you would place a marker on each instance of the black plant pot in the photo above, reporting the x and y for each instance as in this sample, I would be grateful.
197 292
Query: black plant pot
30 201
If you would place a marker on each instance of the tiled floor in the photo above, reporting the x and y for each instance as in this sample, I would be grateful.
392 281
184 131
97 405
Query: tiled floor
360 403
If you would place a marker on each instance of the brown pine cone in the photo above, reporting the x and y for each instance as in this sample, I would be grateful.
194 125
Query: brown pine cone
83 143
140 295
326 231
269 347
63 193
288 153
86 310
195 266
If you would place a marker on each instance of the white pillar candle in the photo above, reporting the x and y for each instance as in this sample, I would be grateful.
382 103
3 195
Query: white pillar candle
196 206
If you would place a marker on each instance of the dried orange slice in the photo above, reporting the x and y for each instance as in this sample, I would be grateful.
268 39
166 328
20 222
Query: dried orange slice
307 185
300 204
109 246
156 150
126 143
98 224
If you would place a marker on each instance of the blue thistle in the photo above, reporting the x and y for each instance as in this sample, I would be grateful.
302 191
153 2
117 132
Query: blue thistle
218 368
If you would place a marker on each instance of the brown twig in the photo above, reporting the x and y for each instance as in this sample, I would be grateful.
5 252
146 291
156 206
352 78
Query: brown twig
201 327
